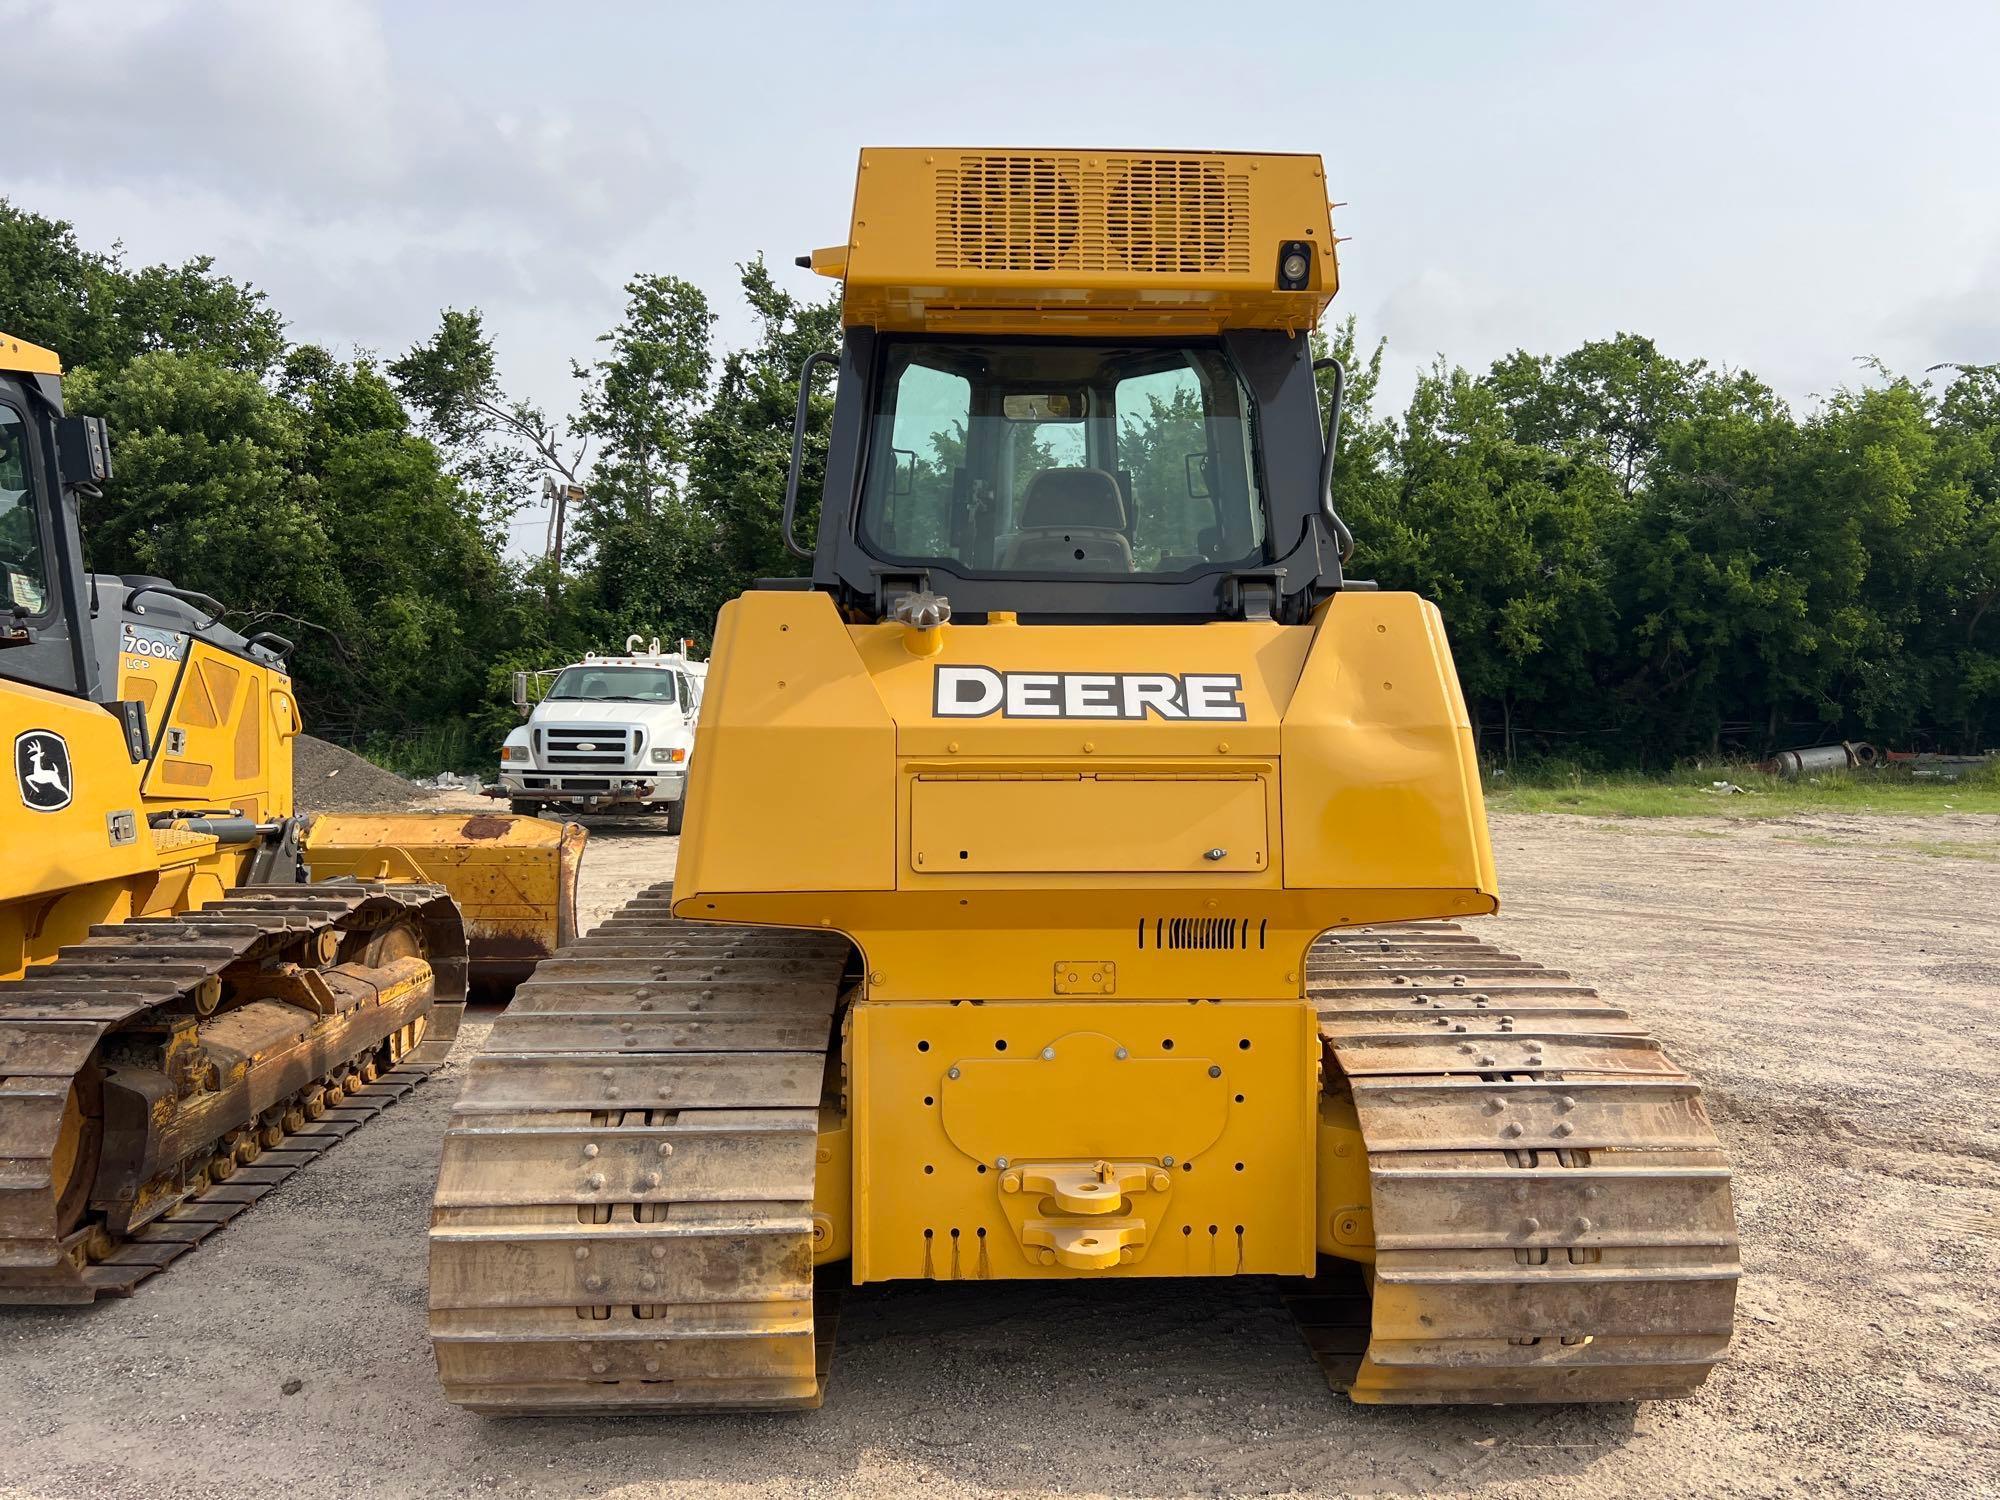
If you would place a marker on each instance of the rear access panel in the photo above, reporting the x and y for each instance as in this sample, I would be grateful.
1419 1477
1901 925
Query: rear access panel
1017 1139
1108 823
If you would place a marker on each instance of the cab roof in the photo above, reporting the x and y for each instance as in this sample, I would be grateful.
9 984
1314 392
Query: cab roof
19 357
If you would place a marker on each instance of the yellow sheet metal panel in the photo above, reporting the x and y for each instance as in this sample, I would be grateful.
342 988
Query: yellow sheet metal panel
1083 241
1381 785
221 726
1130 686
81 853
1126 821
793 786
19 357
1082 832
1018 1140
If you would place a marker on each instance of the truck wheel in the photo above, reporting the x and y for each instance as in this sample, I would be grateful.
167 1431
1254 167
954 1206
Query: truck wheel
675 812
524 809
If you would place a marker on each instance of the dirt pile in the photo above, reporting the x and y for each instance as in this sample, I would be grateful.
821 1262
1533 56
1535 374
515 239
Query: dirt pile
326 778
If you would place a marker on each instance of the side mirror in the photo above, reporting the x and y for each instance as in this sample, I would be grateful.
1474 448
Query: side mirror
83 450
1196 465
903 480
521 693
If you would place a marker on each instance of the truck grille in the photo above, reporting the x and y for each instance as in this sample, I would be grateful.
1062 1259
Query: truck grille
587 747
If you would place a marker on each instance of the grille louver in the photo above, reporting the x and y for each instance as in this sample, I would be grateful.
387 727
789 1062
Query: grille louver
1150 214
1201 934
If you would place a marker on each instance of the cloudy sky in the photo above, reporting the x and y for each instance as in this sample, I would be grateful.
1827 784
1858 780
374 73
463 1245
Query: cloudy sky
1774 185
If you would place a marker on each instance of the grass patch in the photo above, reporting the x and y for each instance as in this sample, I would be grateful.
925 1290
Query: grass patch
1690 792
1951 849
454 746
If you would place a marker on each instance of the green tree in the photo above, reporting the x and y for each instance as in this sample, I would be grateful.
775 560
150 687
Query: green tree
641 399
499 447
743 441
93 311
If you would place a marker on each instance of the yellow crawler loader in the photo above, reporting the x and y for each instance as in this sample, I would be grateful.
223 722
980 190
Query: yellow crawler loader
1069 882
199 990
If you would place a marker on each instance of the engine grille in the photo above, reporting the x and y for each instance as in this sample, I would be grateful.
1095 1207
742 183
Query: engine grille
611 747
1202 934
1027 212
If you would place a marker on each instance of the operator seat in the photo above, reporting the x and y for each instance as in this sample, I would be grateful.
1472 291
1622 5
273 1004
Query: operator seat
1072 520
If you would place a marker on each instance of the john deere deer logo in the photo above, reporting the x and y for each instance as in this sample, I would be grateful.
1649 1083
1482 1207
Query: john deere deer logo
41 767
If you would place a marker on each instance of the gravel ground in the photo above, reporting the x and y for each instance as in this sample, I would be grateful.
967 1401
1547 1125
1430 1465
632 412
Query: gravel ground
1833 983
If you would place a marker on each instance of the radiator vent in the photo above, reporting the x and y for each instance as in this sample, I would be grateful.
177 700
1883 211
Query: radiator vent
1201 934
1167 215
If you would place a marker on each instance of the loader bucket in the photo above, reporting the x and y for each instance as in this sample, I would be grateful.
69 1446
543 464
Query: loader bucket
514 878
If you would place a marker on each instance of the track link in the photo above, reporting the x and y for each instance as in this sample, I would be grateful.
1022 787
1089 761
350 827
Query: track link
139 1114
623 1219
1551 1207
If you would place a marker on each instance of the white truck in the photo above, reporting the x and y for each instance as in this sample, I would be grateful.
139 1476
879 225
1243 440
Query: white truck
608 733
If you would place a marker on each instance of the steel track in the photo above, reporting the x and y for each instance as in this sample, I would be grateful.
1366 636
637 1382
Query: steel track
1551 1207
623 1218
57 1020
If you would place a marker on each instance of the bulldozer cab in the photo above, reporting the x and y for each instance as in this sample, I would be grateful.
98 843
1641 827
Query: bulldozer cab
1107 411
45 457
1068 478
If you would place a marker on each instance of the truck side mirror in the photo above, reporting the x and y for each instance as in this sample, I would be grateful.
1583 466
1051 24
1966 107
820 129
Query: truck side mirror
521 693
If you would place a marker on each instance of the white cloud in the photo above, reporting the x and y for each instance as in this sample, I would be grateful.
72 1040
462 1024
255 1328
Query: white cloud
303 108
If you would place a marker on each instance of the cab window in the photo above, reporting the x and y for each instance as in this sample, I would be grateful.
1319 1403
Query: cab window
24 583
1045 457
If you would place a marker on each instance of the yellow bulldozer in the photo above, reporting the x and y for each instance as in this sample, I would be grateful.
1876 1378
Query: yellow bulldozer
199 990
1069 882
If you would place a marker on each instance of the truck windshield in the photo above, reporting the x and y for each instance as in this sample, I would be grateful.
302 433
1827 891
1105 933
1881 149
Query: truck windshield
1035 457
24 583
619 684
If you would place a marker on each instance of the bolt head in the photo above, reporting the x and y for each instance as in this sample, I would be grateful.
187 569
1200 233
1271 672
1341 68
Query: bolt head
590 1151
951 1072
1122 1054
1166 1161
1214 1070
1048 1054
